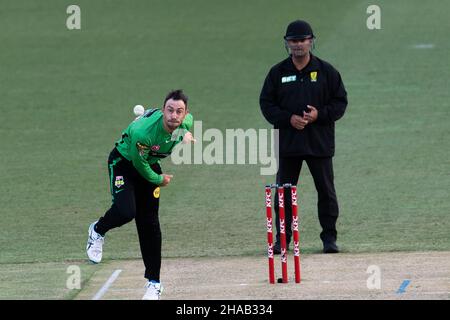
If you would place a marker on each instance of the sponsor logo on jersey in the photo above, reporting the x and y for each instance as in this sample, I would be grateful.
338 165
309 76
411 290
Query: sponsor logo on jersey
288 79
313 76
142 148
119 181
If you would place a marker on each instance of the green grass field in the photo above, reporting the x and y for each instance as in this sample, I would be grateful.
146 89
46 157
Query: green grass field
66 96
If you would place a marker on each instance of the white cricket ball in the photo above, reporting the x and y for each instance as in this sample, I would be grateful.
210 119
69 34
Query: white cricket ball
138 110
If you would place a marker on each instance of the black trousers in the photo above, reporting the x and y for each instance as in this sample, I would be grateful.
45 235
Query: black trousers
134 198
322 172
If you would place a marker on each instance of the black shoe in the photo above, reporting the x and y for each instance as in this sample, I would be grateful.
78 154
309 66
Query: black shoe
330 247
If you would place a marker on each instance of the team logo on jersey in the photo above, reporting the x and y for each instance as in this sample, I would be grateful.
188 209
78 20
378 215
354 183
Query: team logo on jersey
155 148
156 193
313 76
288 79
119 181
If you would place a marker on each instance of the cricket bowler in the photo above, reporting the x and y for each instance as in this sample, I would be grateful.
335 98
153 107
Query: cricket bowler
135 180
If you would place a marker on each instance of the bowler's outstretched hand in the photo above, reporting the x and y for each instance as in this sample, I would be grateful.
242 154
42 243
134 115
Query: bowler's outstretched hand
188 137
166 179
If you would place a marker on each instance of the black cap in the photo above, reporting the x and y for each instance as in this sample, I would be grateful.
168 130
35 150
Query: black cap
298 29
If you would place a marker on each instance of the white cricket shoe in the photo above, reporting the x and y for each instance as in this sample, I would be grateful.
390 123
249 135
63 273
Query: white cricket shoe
154 290
94 246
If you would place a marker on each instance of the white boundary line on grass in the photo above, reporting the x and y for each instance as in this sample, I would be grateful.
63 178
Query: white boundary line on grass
107 284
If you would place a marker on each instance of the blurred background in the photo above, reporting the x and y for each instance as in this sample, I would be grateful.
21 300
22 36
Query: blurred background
66 95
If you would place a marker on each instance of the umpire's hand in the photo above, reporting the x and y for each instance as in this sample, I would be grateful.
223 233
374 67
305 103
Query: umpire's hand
298 122
311 115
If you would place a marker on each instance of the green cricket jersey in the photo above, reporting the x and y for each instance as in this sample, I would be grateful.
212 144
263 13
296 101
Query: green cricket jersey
145 141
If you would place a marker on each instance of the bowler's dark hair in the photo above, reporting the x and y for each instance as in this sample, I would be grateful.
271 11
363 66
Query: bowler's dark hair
177 95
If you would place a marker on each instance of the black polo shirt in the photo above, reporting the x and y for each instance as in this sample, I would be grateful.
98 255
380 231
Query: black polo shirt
287 91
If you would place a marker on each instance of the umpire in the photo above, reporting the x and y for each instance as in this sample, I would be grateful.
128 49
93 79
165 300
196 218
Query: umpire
303 96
